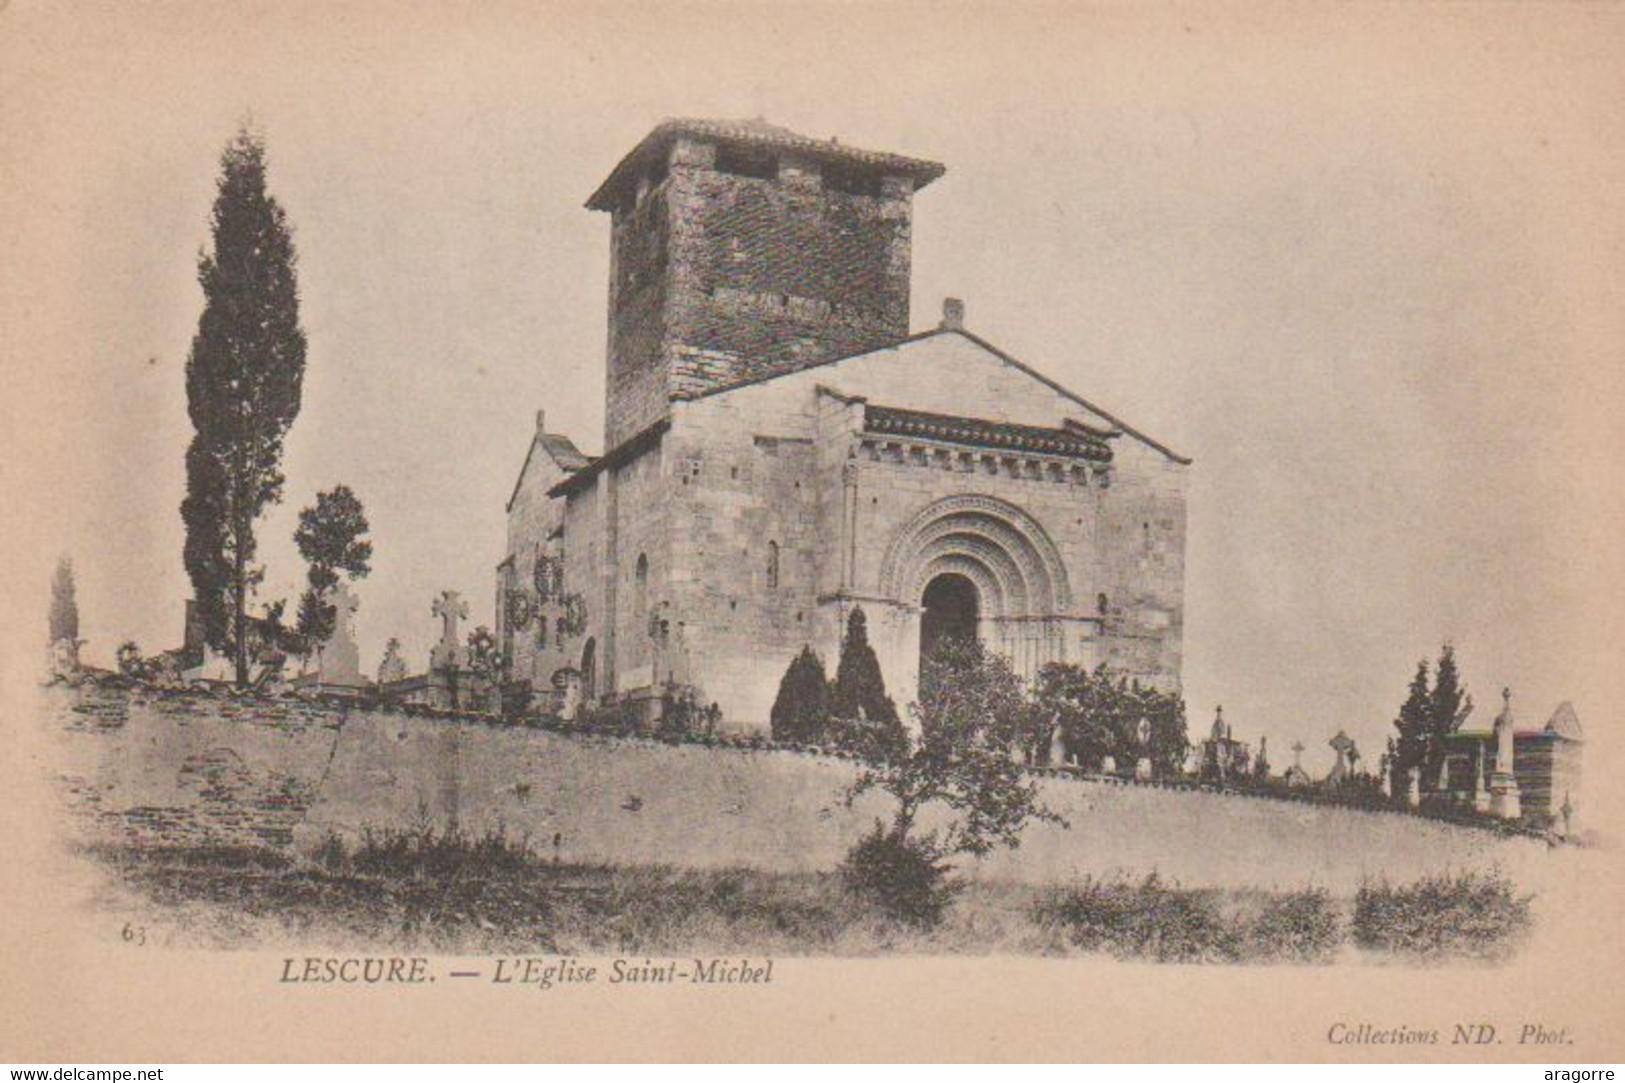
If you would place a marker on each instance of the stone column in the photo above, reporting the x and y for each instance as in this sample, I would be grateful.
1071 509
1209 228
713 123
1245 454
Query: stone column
1505 800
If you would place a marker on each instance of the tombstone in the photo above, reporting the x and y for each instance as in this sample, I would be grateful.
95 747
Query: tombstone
1057 746
1108 765
1142 766
1296 777
1505 800
567 693
339 659
64 658
1342 769
1481 789
1413 787
393 667
448 654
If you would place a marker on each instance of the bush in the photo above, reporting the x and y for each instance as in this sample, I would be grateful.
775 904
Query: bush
621 719
424 853
682 716
1148 920
904 876
1168 924
1300 927
1469 915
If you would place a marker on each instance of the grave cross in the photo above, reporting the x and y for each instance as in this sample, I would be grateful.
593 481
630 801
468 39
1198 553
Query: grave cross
450 608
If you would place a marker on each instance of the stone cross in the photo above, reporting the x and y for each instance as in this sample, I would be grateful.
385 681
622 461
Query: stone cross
450 608
1342 745
340 657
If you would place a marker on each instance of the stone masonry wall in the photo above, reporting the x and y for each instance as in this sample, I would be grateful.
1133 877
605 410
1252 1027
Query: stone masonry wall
746 486
718 277
154 768
1124 542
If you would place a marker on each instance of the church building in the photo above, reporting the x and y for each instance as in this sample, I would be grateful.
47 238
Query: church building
781 447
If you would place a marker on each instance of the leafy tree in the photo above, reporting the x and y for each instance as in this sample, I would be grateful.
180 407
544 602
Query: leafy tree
1099 715
244 380
973 719
64 604
331 536
1447 708
1409 747
801 711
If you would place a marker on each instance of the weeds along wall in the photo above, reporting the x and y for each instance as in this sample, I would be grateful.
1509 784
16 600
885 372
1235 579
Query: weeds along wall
144 766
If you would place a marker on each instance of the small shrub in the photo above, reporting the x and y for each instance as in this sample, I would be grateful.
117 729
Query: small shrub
682 715
621 719
903 875
1470 915
1300 927
1148 920
331 855
422 852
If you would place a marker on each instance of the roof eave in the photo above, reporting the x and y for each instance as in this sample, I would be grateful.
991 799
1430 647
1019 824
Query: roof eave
921 170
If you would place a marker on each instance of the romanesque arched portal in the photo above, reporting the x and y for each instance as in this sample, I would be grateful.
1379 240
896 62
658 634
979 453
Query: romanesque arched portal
983 547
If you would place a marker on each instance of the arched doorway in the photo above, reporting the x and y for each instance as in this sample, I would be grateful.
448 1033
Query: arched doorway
951 607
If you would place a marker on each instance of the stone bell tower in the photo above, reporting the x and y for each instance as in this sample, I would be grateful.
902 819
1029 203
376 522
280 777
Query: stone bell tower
739 250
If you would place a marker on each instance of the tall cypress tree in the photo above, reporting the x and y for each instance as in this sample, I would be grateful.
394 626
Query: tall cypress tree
1448 706
64 604
801 709
860 690
1411 746
243 384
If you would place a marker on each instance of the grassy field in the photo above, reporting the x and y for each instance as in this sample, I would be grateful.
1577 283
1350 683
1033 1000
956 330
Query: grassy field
424 892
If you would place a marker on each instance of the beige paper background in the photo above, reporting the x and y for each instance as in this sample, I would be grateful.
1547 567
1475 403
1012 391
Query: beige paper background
1525 100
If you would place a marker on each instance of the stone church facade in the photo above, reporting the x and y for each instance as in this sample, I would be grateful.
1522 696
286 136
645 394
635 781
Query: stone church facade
780 449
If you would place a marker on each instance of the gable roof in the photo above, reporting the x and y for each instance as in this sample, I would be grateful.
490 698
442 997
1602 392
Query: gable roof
624 452
756 133
563 452
1164 449
1565 723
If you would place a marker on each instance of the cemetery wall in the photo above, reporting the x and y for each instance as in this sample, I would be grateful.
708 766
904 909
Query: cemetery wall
183 768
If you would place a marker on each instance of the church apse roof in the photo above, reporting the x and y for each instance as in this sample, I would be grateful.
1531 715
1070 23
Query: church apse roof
756 133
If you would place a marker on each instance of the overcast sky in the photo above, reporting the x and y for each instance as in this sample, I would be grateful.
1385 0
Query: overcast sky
1360 262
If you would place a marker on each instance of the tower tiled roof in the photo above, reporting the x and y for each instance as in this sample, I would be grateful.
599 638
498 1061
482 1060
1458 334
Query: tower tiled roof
758 133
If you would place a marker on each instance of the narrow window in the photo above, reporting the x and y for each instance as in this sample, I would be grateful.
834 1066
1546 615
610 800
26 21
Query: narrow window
640 586
772 565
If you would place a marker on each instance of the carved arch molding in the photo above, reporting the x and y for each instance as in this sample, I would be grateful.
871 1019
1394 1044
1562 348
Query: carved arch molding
1017 569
